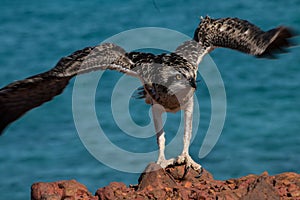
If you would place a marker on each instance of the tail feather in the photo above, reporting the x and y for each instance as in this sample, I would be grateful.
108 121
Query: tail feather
139 93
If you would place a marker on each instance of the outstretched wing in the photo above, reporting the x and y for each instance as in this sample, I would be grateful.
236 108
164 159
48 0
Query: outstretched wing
243 36
21 96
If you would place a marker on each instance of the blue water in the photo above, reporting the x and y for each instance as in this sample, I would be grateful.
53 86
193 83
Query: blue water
261 131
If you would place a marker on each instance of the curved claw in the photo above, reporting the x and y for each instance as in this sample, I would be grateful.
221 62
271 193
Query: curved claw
188 161
186 170
200 173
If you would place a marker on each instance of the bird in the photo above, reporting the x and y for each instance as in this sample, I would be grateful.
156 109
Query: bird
168 79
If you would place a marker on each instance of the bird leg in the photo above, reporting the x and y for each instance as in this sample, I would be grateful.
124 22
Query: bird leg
188 120
157 111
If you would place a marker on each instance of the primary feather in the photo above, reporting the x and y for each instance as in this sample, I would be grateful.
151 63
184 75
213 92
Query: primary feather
163 76
21 96
242 35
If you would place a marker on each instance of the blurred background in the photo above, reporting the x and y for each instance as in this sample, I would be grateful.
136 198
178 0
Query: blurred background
261 130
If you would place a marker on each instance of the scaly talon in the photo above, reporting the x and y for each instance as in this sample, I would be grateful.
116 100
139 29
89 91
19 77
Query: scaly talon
164 163
188 161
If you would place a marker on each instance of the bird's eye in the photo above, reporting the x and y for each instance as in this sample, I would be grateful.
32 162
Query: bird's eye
178 76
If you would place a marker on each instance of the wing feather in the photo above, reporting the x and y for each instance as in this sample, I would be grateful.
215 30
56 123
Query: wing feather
21 96
243 36
18 98
192 51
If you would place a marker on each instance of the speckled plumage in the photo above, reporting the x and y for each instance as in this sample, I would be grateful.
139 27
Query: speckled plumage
243 36
168 79
164 77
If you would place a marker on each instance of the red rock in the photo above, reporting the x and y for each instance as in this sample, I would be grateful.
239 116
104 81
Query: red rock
155 177
112 190
60 190
170 183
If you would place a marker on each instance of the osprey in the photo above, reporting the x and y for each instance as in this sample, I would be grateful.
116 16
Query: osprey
168 80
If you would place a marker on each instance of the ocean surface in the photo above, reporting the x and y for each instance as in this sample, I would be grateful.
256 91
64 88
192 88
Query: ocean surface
262 125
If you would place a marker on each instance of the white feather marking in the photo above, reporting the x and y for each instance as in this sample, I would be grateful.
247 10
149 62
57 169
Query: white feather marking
223 28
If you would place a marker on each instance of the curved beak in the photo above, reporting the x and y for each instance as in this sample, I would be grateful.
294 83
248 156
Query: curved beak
192 83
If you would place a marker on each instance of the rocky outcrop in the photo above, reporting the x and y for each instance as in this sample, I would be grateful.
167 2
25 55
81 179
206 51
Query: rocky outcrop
174 183
67 190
